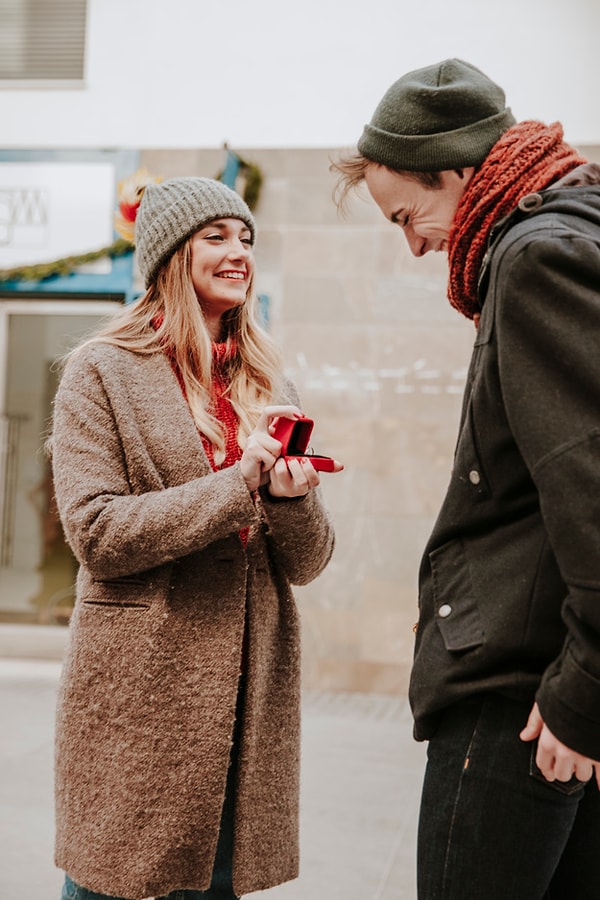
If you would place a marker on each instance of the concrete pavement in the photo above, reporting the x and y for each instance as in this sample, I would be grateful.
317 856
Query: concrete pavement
361 781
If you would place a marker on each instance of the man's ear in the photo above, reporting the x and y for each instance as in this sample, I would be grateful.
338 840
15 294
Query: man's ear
465 174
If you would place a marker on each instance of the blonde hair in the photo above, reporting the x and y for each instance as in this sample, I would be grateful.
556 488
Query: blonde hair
169 319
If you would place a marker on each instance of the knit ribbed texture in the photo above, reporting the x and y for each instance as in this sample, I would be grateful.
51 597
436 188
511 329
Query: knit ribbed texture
171 211
444 116
222 352
528 158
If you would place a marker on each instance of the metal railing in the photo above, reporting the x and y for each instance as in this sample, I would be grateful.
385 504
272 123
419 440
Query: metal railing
10 428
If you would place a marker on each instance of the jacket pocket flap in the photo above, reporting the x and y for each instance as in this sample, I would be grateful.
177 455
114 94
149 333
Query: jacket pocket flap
456 609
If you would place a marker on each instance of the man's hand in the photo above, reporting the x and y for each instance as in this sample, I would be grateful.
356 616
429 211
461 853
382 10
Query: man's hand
556 761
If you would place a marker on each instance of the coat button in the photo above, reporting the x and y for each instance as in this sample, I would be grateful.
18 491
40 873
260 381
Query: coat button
530 203
444 611
474 476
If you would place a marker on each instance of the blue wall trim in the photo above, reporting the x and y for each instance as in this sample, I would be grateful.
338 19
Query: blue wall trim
118 284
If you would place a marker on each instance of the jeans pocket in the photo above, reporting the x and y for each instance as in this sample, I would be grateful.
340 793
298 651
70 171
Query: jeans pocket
562 787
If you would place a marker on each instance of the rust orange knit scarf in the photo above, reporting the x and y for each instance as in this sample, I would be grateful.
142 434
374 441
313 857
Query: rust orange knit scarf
527 158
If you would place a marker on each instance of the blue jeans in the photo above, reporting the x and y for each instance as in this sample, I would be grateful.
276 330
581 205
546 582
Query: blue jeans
72 891
491 827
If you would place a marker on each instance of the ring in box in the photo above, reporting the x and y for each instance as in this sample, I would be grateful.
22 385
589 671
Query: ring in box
294 435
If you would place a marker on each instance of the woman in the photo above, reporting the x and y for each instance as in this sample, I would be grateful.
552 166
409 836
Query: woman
182 673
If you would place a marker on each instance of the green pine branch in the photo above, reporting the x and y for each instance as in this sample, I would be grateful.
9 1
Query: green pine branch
66 265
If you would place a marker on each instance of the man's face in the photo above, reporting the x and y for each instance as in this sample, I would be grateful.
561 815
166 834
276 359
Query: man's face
424 214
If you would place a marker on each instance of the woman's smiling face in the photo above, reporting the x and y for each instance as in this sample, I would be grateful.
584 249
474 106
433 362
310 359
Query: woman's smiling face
222 266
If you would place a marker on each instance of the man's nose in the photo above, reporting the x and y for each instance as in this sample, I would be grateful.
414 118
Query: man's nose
417 244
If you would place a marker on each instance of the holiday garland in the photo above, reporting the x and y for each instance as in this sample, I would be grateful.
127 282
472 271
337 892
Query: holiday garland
253 179
130 191
66 265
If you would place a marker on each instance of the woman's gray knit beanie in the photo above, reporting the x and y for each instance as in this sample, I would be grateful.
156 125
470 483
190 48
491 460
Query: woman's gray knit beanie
444 116
171 211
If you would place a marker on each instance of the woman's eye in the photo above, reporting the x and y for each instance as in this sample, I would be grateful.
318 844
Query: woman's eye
246 241
214 237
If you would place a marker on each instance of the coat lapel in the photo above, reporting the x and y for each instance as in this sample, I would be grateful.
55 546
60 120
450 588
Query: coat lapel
164 420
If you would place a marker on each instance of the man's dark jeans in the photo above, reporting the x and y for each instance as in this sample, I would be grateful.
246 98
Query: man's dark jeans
491 827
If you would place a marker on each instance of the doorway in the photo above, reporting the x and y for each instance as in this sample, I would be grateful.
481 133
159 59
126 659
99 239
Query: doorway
37 568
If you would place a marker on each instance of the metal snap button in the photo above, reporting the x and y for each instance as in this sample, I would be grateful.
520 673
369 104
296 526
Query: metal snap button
474 476
444 611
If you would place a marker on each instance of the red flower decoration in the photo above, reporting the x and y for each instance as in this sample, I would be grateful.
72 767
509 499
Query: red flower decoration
130 192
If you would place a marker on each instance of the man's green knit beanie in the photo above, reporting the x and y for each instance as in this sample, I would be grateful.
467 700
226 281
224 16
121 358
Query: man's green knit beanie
444 116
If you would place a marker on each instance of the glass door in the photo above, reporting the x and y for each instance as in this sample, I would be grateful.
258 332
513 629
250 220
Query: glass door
37 568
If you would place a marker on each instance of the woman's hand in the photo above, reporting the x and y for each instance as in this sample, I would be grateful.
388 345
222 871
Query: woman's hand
262 449
292 478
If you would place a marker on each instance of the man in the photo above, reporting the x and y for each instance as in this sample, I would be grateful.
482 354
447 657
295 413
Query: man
505 683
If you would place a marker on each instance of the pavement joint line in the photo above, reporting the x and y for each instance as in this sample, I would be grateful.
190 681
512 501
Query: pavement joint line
29 668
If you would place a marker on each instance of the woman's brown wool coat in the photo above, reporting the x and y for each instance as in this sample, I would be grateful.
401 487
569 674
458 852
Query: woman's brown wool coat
147 698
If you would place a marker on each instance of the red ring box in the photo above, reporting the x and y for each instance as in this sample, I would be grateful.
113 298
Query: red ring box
294 435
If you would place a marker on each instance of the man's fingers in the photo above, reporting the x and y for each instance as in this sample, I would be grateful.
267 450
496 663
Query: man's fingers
534 725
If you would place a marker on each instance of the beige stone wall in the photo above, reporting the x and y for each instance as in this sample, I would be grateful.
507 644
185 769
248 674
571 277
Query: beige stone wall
380 360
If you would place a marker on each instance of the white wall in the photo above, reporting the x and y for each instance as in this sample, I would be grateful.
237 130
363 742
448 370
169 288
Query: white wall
308 73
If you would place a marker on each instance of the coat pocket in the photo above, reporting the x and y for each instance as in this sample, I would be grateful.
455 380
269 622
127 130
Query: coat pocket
456 609
115 604
124 593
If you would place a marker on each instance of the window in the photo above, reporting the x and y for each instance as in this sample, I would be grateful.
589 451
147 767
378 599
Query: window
42 41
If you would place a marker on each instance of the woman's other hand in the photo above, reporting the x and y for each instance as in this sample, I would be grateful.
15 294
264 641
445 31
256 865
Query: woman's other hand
262 449
292 478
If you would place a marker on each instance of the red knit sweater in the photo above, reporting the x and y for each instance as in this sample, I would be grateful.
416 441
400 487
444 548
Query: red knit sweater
223 351
224 412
